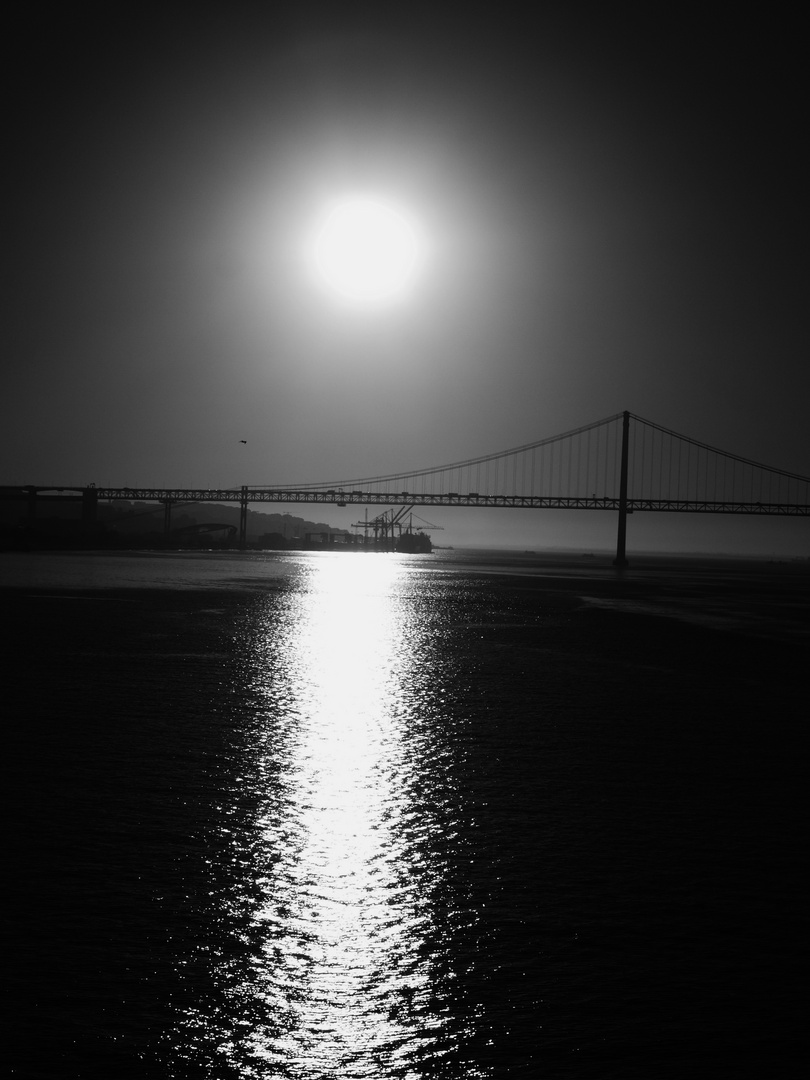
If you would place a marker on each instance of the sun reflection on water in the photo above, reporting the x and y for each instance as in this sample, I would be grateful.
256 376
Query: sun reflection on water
342 977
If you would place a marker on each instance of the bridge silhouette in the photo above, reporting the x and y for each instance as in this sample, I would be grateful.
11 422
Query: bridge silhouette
623 463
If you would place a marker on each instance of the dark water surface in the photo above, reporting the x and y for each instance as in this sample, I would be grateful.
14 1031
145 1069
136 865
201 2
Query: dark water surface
381 816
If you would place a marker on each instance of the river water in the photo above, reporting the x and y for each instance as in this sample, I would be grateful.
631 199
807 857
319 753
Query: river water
351 815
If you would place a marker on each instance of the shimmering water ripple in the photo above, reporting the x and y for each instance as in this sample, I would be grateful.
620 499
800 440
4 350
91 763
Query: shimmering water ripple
353 785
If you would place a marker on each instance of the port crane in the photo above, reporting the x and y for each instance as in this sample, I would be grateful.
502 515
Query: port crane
387 525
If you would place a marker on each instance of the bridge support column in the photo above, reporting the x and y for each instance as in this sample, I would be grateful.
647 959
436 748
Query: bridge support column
243 510
167 518
621 538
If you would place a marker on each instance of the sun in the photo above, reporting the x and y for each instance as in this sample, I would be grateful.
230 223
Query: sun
366 251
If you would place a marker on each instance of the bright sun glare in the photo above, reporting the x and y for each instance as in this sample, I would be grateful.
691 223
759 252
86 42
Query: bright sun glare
366 251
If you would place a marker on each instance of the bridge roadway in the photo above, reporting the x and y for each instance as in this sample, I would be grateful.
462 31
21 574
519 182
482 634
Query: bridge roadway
340 497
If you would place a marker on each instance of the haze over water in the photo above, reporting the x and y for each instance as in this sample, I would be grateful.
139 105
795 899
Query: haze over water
380 816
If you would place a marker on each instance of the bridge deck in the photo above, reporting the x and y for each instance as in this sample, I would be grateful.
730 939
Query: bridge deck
339 497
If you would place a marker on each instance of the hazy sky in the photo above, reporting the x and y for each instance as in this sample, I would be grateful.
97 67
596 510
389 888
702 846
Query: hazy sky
613 207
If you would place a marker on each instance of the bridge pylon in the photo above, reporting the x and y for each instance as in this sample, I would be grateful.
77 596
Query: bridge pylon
243 510
621 538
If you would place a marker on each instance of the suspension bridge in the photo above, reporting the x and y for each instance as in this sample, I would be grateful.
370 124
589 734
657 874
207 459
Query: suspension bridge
623 463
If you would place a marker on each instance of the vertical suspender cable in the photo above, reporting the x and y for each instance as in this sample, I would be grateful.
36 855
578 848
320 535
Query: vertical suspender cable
688 469
570 455
643 487
714 477
551 469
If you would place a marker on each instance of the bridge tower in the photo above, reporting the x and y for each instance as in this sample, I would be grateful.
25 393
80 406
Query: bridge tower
621 539
243 511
